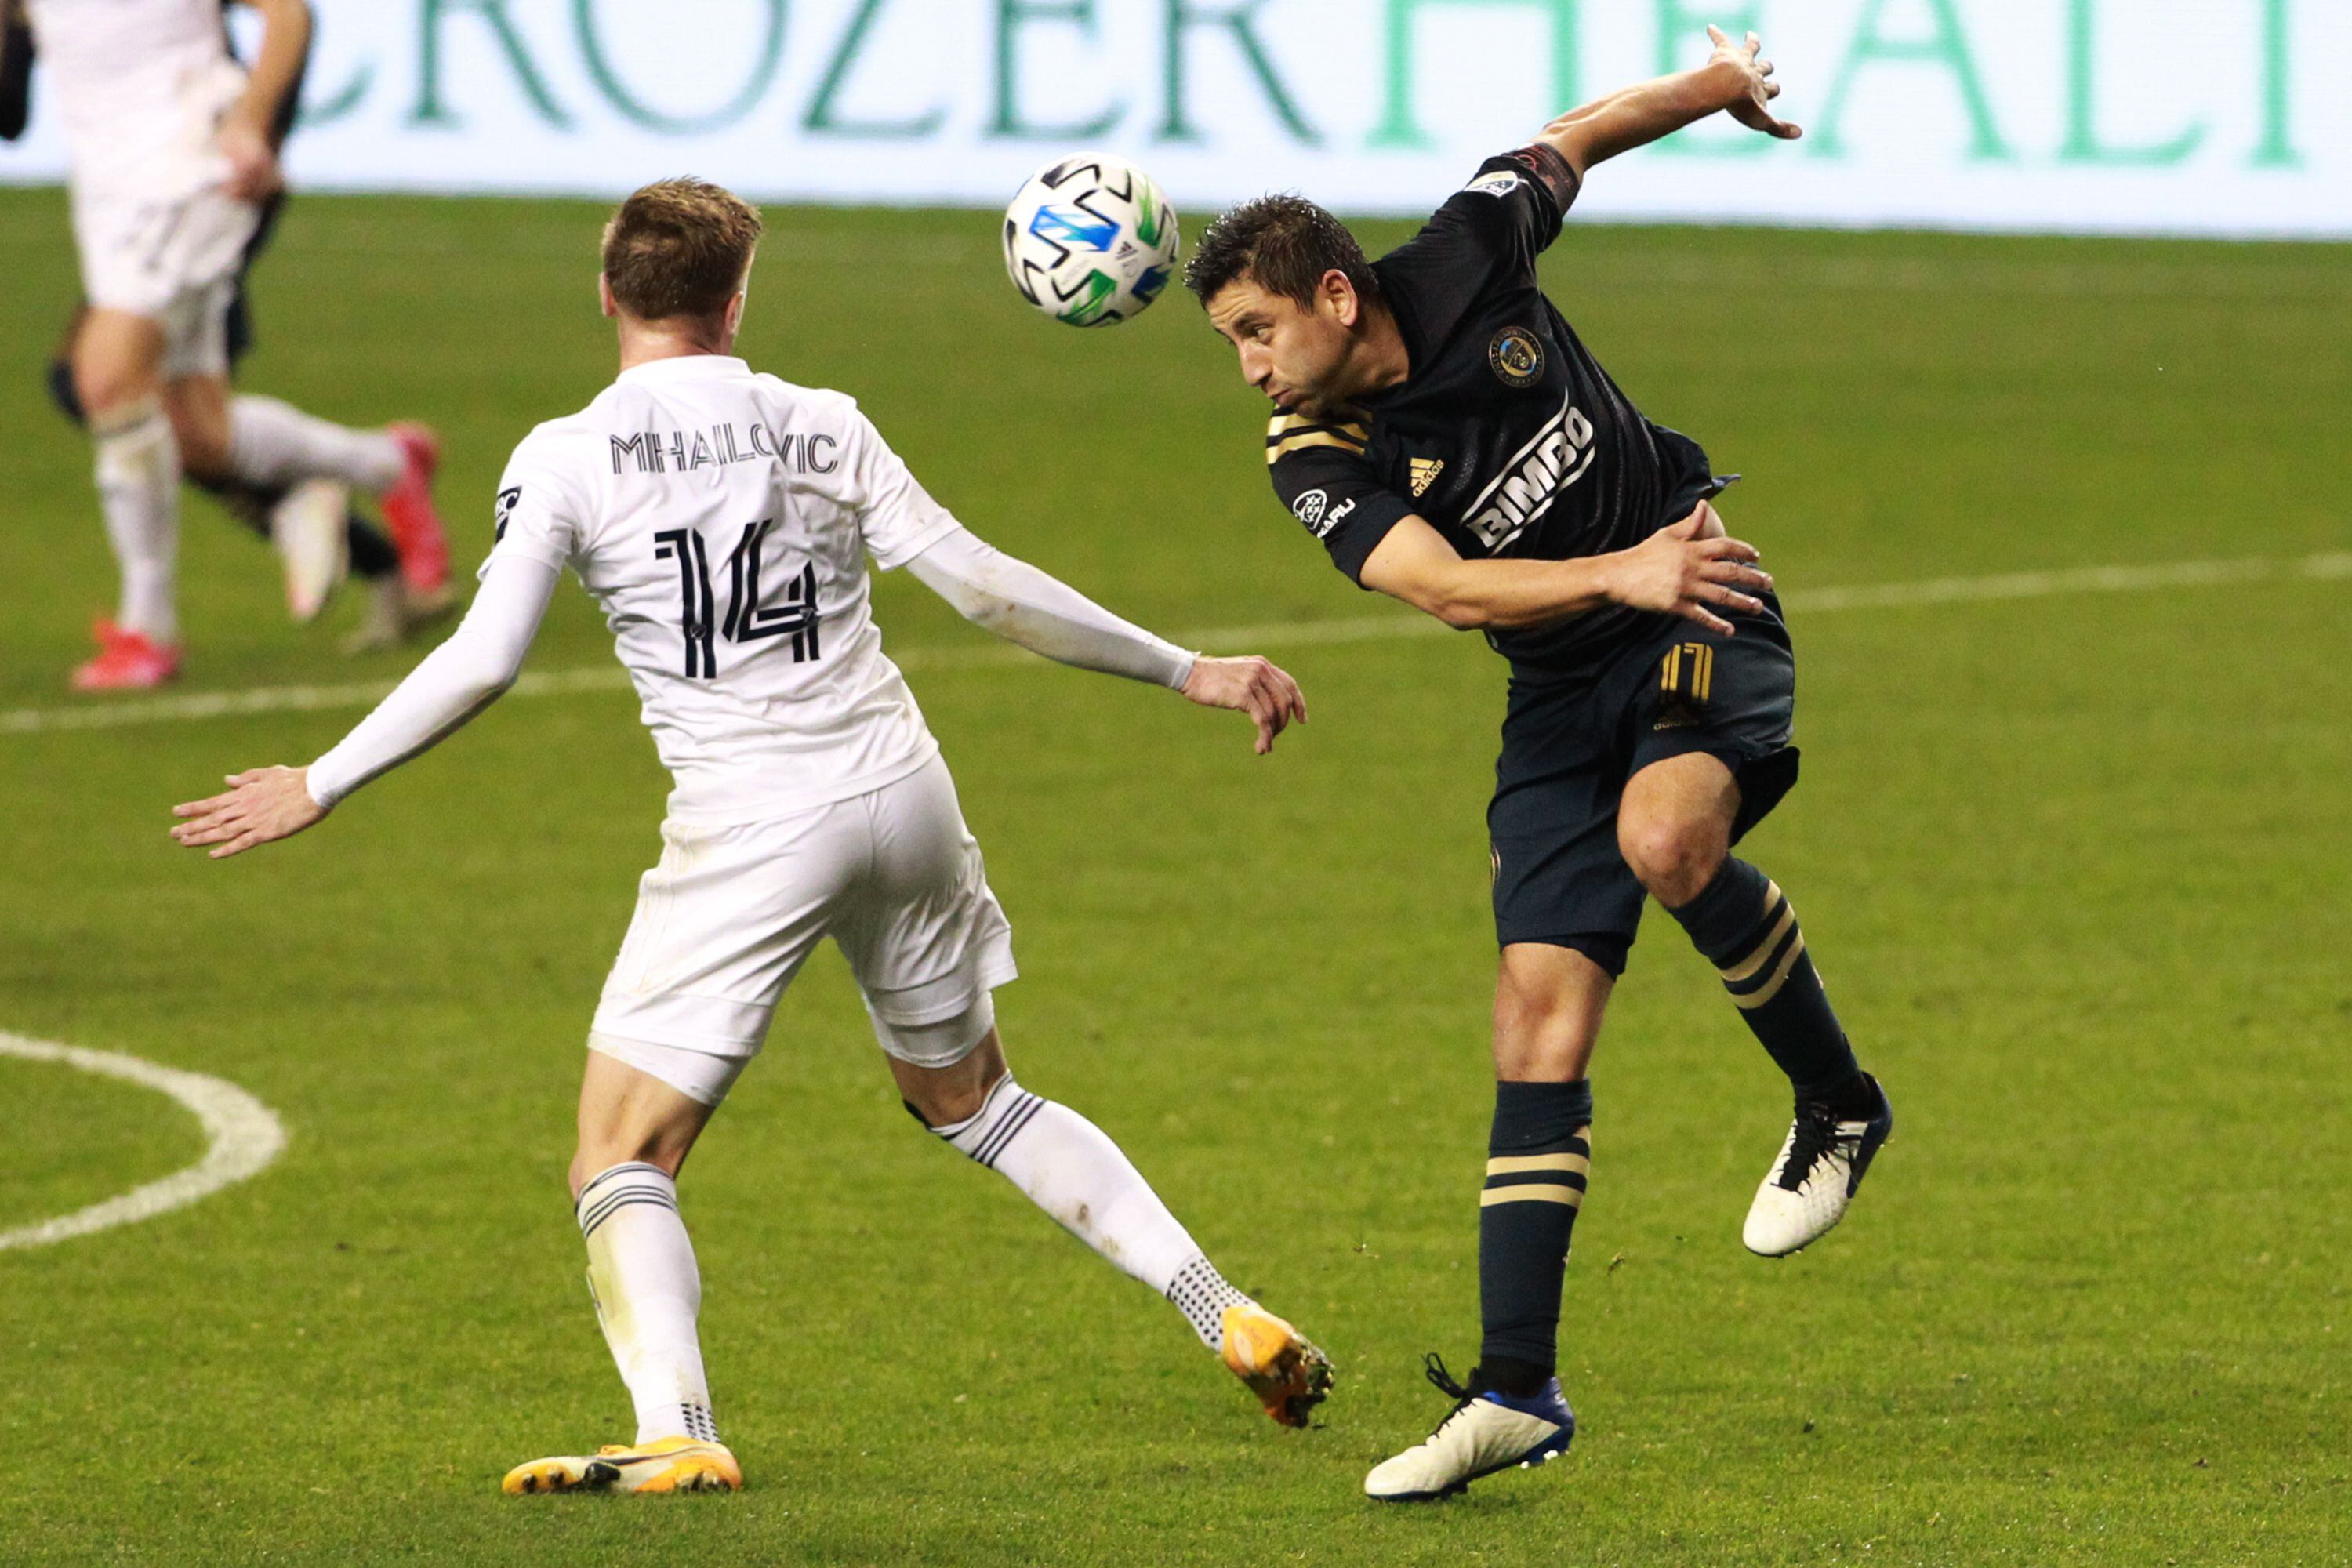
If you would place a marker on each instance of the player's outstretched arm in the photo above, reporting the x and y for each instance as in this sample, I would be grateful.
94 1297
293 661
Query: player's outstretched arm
1024 605
454 682
1735 80
1687 569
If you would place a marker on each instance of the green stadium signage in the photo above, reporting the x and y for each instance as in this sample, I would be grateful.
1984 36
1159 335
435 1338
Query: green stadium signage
2004 113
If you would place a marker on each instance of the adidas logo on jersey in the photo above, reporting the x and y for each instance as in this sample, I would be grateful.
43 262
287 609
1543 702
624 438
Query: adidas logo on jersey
1424 473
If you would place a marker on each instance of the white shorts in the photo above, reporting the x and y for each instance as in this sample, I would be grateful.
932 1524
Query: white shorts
172 259
730 914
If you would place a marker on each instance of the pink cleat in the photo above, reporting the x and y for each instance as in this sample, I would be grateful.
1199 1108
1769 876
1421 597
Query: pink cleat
408 508
126 662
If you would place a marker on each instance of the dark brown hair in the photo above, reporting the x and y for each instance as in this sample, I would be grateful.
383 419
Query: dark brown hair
679 247
1284 244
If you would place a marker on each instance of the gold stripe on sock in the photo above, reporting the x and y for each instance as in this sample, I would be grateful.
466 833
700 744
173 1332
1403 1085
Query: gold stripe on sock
1531 1193
1771 987
1512 1164
1755 961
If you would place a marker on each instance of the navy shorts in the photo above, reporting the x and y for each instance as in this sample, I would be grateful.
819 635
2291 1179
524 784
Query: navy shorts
1572 738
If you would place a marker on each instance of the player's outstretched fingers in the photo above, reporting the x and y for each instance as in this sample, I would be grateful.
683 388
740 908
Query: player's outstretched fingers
1691 610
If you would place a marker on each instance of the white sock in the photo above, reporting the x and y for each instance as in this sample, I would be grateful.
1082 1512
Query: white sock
647 1291
138 472
273 444
1072 1169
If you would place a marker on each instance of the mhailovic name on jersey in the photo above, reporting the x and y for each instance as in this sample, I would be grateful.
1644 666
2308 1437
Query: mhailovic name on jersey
721 521
681 451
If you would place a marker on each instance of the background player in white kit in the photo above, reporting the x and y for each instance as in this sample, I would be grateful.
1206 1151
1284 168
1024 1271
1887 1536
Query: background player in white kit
722 519
172 155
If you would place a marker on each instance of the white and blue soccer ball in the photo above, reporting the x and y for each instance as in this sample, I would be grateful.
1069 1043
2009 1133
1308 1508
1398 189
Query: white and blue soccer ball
1089 240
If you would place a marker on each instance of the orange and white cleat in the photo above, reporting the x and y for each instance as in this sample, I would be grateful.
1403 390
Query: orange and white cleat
408 511
126 662
664 1464
1289 1375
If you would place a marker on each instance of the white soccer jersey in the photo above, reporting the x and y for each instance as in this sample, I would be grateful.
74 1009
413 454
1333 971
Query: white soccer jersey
140 86
721 521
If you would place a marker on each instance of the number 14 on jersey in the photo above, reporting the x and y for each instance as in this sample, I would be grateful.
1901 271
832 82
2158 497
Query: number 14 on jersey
747 620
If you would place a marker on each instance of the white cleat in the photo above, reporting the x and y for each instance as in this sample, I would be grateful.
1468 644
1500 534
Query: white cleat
1486 1432
306 529
1821 1164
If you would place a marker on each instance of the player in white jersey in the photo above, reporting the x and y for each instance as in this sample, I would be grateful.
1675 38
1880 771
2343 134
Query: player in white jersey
172 156
722 519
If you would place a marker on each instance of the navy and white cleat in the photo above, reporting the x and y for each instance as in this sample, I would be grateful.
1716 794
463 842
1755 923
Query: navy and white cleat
1487 1431
1820 1165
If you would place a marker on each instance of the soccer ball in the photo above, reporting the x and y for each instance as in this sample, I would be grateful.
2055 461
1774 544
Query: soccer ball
1091 240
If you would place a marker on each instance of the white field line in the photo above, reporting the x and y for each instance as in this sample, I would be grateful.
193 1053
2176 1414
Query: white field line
243 1135
1381 627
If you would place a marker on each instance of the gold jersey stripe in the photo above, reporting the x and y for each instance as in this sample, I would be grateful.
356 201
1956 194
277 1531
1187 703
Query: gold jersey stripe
1512 1164
1756 960
1317 438
1532 1193
1285 424
1771 987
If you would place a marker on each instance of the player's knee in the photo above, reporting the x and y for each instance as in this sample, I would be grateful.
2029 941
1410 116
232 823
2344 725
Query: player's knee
1545 1013
1673 859
106 386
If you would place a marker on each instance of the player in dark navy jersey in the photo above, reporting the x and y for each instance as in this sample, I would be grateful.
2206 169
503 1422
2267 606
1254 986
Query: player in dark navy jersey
1444 432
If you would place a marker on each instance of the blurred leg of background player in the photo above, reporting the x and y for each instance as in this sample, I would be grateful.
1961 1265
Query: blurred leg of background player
636 1130
318 533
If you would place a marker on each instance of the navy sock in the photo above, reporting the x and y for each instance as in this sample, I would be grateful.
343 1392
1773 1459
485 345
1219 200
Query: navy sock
1538 1157
1748 929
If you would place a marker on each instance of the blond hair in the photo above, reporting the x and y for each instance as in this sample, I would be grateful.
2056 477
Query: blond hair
679 247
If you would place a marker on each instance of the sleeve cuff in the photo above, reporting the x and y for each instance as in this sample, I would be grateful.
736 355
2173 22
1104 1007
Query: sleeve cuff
914 546
524 545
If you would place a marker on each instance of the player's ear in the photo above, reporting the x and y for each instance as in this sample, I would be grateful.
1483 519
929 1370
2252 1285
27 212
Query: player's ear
1335 294
735 308
611 306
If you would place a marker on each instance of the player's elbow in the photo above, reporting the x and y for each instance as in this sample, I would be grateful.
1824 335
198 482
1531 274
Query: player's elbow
1464 611
1462 614
1449 596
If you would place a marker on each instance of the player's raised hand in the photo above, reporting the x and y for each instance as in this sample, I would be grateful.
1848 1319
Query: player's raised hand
1257 687
260 807
253 172
1684 568
1753 107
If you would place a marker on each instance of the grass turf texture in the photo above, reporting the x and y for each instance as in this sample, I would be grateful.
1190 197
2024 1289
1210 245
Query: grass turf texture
2074 867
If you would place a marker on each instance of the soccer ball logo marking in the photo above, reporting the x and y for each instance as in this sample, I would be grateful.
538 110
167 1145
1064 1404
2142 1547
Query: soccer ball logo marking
1074 228
1089 240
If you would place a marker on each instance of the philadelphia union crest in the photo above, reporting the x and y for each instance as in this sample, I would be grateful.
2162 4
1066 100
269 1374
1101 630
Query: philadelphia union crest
1516 357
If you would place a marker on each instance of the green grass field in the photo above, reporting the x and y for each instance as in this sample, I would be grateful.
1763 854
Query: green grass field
2074 864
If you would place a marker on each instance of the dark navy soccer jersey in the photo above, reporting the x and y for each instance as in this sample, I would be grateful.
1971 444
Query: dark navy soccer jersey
1505 436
